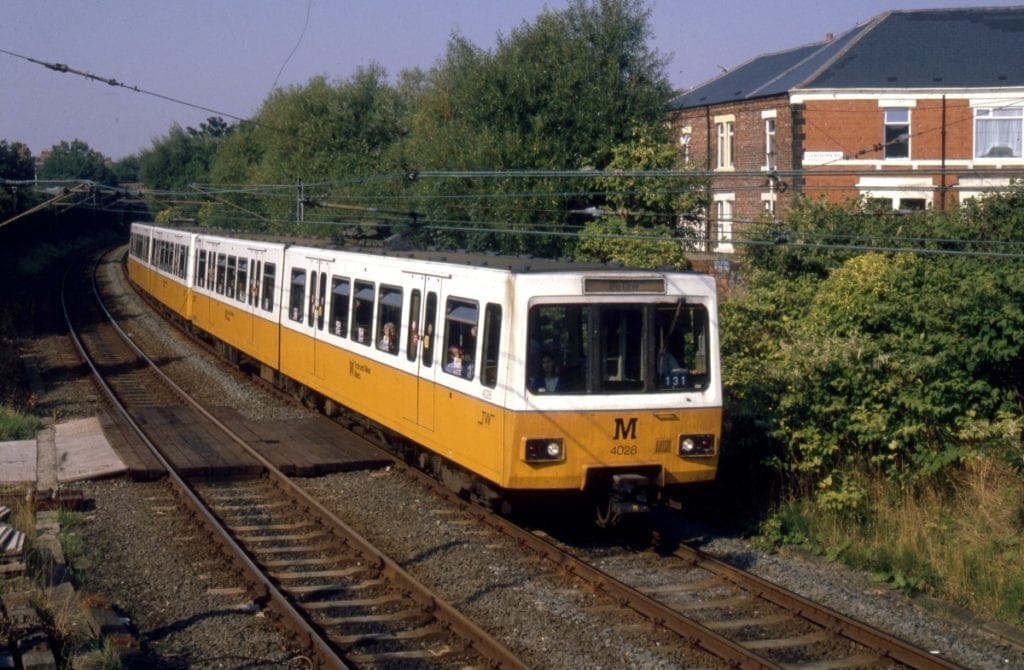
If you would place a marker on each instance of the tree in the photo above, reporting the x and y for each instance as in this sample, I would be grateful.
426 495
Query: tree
560 93
330 135
641 225
16 164
183 157
127 169
76 160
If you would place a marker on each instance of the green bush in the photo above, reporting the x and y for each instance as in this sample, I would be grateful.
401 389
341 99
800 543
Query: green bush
841 360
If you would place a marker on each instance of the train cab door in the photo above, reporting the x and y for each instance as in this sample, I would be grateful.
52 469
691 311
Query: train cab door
315 314
418 398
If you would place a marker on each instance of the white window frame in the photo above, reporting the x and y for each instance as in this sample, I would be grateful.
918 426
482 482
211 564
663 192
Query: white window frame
1015 143
725 132
895 189
887 123
770 145
724 219
981 187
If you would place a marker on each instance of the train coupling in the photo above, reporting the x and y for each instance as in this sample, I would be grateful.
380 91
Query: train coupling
629 494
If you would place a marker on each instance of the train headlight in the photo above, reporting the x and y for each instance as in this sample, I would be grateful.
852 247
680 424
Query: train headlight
545 450
696 445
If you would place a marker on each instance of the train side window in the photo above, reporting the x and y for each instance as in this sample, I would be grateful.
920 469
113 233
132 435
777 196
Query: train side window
341 290
389 319
460 330
230 282
429 326
297 295
413 336
491 345
222 270
312 297
362 312
269 277
201 269
321 299
254 283
182 261
243 279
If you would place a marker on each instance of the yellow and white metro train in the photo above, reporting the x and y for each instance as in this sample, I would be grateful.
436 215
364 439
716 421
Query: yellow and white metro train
506 376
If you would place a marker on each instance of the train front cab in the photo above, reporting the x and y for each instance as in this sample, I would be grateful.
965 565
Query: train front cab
636 408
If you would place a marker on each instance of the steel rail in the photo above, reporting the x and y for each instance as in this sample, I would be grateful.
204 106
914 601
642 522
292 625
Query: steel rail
857 631
294 618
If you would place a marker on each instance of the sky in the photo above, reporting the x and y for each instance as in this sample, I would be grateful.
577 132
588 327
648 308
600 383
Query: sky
227 55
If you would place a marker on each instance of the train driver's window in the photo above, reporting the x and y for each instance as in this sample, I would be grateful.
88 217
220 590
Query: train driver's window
341 290
621 342
460 336
269 277
297 295
362 312
557 360
681 346
201 269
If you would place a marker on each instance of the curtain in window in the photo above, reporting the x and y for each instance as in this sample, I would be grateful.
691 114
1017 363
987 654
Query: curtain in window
997 133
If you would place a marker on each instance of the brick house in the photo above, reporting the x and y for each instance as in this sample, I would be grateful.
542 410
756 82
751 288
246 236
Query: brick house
911 110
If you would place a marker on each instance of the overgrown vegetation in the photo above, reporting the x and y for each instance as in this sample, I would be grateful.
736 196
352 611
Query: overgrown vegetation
15 425
883 390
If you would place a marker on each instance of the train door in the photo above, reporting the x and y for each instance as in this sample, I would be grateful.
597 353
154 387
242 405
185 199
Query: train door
315 313
420 345
252 269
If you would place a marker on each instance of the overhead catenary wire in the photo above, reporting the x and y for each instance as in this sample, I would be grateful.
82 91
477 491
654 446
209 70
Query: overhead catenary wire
67 69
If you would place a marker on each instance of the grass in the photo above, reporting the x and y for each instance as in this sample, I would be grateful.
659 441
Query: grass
15 425
961 541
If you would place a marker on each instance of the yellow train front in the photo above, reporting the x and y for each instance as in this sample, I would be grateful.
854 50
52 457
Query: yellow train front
508 378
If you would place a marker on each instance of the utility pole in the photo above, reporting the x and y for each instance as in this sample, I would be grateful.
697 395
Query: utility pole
300 203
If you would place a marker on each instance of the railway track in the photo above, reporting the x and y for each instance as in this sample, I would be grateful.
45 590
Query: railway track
742 619
346 601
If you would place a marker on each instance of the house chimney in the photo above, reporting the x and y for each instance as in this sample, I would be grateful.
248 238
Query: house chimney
829 37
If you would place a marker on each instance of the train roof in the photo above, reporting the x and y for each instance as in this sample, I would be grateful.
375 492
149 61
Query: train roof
523 264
